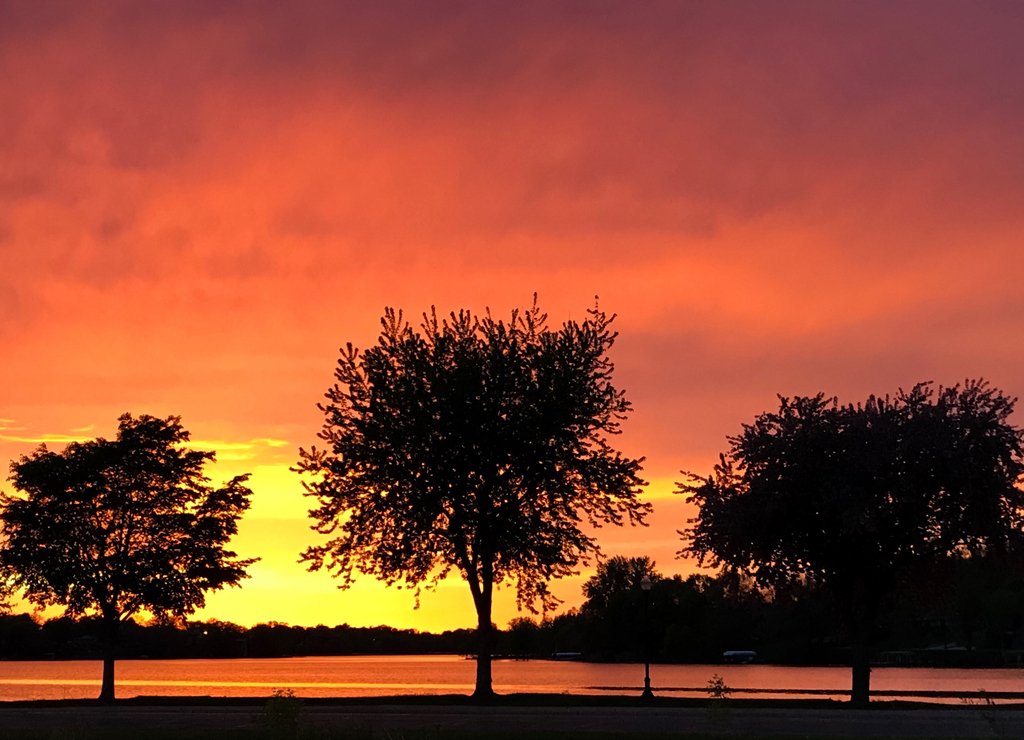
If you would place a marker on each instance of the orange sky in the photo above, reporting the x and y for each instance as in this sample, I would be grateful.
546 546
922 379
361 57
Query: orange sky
201 201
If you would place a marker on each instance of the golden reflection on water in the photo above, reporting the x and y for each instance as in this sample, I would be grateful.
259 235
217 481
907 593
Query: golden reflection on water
394 675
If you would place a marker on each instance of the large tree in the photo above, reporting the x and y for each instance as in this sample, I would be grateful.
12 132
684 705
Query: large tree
856 498
119 527
474 444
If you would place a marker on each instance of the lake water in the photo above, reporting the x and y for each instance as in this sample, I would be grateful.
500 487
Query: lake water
449 674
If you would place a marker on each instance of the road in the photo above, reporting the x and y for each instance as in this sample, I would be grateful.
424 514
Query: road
730 720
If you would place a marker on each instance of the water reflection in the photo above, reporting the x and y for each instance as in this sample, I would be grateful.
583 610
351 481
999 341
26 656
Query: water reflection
395 675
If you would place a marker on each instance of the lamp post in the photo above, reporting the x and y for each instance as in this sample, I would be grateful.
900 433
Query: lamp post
645 586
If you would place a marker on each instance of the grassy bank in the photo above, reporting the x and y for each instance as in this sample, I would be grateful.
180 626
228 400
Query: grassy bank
738 701
78 733
536 716
368 734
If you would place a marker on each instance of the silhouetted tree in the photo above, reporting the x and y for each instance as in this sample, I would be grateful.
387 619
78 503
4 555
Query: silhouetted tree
616 575
118 527
614 609
852 498
523 637
472 444
19 636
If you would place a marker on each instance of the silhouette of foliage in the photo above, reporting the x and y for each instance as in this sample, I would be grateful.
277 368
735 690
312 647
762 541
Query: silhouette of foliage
21 637
118 527
617 575
717 688
853 498
472 444
615 607
979 608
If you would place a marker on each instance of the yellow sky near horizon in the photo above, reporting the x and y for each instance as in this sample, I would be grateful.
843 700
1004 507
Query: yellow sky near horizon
276 530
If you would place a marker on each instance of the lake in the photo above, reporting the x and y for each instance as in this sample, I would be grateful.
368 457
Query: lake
449 674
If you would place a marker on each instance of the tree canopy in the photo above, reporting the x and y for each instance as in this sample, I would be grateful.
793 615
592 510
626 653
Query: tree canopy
855 497
474 444
617 575
123 526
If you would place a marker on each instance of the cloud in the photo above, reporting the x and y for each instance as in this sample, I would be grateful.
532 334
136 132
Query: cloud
240 451
182 140
43 438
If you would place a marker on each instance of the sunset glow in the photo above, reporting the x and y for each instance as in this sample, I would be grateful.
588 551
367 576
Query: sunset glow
201 202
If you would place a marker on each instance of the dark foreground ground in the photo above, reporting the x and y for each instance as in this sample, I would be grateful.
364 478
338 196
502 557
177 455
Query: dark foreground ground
457 719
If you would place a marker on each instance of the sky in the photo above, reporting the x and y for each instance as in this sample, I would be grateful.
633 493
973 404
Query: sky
201 201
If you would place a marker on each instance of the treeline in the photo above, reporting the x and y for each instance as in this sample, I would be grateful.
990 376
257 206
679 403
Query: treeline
977 621
21 637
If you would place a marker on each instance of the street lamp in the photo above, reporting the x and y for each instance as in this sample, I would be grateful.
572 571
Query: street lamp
645 586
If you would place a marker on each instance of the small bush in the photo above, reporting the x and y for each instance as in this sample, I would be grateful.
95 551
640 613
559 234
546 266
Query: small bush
717 688
281 714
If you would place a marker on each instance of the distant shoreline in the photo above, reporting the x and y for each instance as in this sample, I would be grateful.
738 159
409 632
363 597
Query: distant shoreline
582 659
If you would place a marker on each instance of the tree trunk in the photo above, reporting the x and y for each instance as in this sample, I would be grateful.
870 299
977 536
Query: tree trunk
109 645
860 691
860 694
863 608
484 644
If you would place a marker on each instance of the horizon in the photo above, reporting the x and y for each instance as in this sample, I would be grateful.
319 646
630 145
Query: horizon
200 205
